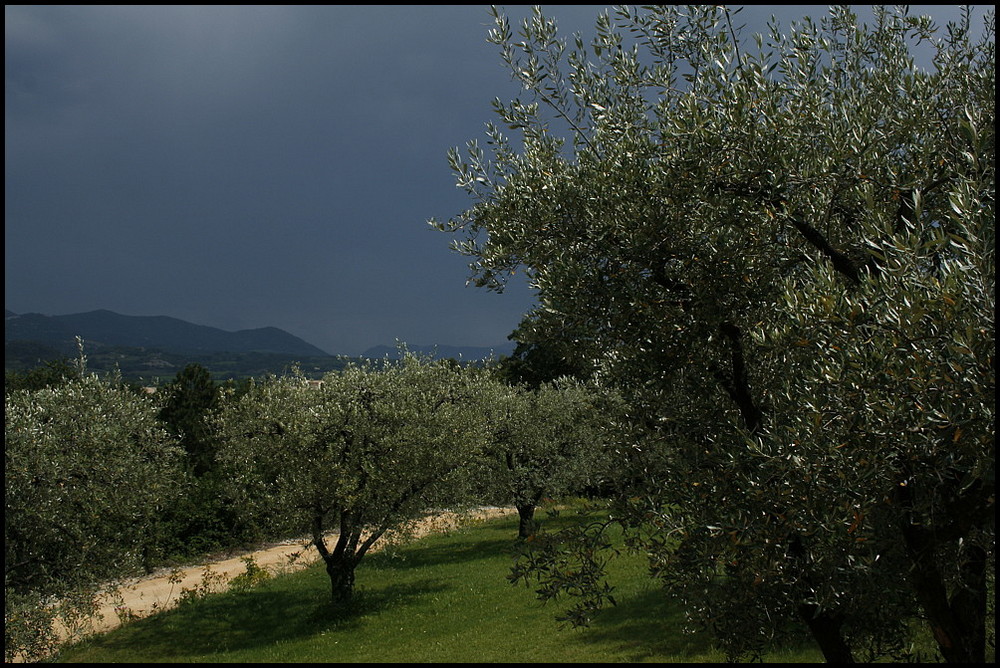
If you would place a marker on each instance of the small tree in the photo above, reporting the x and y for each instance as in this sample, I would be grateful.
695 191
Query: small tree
189 398
367 451
541 359
204 518
547 442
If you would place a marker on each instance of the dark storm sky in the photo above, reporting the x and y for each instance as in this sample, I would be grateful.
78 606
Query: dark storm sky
257 166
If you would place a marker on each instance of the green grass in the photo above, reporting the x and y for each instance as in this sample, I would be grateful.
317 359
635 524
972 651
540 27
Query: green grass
443 598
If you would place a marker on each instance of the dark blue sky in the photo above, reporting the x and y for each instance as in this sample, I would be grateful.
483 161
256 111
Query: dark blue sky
245 167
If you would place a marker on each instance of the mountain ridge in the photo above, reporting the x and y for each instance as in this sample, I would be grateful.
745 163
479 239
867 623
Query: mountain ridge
114 329
105 328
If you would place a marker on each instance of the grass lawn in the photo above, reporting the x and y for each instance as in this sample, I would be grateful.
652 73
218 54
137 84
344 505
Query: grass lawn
444 598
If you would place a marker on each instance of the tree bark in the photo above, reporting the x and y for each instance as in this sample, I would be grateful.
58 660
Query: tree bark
825 625
341 572
736 382
825 628
342 561
527 526
958 620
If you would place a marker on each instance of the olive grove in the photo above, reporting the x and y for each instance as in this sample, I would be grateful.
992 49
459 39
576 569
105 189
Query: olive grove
782 249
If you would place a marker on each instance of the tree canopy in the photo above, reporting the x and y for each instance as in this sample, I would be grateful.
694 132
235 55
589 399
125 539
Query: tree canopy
189 398
784 252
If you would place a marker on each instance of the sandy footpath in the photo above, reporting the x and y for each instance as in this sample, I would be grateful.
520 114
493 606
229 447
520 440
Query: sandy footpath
162 590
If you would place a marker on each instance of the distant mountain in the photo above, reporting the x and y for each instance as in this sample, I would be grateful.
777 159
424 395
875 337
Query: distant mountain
113 329
471 353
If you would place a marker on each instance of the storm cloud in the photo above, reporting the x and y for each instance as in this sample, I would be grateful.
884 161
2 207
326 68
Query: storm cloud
254 166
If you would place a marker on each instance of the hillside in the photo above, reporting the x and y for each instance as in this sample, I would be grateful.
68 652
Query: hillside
106 328
150 349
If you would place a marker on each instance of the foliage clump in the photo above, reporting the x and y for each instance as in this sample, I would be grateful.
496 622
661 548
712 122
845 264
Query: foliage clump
88 469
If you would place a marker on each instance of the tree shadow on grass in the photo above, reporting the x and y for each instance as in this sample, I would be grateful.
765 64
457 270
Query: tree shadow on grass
440 554
258 618
489 539
652 624
647 625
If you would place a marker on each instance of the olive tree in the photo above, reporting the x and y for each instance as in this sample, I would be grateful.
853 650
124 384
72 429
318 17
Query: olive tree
88 471
546 442
784 252
368 450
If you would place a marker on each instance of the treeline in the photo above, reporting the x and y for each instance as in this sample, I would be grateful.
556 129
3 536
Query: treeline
104 480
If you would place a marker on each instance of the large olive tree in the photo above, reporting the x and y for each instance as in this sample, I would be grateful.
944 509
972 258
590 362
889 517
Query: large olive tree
368 450
785 251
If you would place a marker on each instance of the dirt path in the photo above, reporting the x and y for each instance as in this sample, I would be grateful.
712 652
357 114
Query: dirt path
161 591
